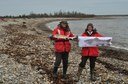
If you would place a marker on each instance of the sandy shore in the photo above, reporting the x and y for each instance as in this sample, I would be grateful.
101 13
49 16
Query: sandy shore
27 57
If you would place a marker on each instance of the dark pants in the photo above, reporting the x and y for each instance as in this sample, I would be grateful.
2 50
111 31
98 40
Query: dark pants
64 57
84 60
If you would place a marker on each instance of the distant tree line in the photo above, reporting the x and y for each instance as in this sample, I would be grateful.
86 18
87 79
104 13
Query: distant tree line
72 14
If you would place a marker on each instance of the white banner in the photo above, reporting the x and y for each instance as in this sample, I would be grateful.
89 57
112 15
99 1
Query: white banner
94 41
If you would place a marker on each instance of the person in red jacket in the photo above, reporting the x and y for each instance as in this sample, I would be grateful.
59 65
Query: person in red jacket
90 53
62 47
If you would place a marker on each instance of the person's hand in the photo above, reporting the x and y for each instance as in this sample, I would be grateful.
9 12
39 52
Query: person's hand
74 38
50 37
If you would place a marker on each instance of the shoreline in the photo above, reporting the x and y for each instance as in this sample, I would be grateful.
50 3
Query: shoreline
110 52
30 49
113 46
113 50
45 28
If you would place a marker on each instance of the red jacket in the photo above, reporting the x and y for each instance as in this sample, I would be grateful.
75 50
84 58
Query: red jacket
62 45
91 51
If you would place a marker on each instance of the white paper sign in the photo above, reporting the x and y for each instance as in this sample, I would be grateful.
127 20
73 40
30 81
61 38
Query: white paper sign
94 41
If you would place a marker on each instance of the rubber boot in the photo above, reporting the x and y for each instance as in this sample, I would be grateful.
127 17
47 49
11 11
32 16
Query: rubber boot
55 72
92 75
64 77
79 73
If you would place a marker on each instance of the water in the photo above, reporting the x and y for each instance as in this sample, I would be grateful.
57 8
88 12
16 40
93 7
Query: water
116 27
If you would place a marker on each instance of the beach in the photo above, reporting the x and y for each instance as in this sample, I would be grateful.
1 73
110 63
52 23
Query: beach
27 56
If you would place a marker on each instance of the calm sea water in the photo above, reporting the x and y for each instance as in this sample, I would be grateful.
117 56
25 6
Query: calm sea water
116 27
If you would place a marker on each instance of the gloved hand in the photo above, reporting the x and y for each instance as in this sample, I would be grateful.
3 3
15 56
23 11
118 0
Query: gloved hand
50 37
73 38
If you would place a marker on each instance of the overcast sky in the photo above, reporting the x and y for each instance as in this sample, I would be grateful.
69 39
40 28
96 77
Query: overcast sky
98 7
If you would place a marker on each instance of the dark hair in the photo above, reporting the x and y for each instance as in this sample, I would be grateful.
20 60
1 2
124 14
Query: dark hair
93 29
64 22
89 24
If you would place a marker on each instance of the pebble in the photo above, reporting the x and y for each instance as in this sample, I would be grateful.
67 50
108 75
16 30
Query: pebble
28 59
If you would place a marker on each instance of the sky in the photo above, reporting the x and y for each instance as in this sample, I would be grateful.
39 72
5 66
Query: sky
97 7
